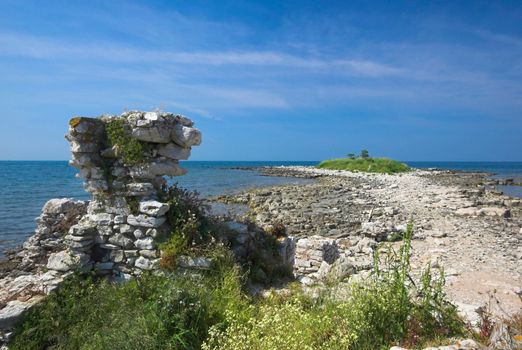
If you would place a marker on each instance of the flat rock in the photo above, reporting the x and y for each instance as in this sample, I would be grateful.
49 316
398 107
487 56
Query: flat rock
65 261
145 220
154 208
173 151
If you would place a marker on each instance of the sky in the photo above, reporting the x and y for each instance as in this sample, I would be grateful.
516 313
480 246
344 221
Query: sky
270 80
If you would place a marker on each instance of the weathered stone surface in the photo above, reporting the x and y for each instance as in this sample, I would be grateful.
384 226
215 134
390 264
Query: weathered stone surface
12 313
156 168
194 262
61 205
156 134
173 151
153 208
66 261
145 243
143 263
145 220
143 189
122 241
186 136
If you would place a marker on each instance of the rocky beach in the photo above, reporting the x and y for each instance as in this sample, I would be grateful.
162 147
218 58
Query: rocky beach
462 224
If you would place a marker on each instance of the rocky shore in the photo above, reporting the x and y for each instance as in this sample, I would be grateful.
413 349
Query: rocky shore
461 223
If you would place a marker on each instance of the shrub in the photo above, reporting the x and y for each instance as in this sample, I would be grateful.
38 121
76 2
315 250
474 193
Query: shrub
150 312
187 215
387 309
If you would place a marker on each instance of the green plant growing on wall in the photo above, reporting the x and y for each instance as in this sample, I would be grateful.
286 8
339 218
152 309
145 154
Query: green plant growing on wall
129 149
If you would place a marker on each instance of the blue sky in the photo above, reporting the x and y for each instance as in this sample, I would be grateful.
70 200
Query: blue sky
270 80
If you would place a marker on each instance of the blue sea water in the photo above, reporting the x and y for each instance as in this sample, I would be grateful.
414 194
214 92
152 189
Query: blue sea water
27 185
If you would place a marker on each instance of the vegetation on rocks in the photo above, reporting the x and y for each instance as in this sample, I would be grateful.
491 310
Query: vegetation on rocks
130 149
369 165
210 311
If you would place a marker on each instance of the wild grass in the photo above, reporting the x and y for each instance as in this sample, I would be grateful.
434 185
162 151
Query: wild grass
368 165
210 311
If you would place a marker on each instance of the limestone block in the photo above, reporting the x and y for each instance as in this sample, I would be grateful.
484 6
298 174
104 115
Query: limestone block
145 221
12 313
122 241
140 189
66 261
157 134
62 205
154 208
145 243
173 151
143 263
186 136
156 168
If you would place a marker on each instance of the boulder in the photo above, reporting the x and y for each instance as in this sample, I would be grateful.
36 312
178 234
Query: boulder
66 261
12 313
57 206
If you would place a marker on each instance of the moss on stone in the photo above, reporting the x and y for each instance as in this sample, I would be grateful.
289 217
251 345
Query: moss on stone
130 149
74 122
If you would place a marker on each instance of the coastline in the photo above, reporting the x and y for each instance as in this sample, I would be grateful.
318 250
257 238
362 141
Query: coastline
461 223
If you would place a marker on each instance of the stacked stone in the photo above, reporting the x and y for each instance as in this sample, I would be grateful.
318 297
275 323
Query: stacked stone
311 252
51 226
117 235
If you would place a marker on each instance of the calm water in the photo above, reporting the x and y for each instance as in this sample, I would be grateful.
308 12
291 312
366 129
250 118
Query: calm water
26 186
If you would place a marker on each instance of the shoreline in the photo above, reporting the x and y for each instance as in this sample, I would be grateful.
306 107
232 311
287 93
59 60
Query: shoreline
462 223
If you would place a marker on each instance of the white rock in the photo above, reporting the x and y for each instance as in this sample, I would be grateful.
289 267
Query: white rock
145 243
152 116
140 189
165 167
60 205
65 261
186 136
12 313
102 218
145 220
495 211
158 134
173 151
143 263
121 240
154 208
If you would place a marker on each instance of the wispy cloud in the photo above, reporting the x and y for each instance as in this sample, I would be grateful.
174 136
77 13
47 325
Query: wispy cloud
42 48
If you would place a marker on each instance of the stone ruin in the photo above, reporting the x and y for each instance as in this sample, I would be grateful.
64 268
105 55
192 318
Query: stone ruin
123 160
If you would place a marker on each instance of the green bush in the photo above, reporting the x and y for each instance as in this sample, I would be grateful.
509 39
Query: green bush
387 309
210 311
369 165
151 312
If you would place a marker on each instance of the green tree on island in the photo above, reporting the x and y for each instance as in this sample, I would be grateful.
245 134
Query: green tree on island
365 154
351 155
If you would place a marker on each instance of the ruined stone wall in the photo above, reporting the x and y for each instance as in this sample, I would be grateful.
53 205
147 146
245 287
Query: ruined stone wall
123 160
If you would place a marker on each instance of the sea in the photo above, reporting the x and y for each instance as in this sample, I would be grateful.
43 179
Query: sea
27 185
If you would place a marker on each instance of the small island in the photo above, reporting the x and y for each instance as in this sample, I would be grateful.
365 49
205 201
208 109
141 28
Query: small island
365 163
